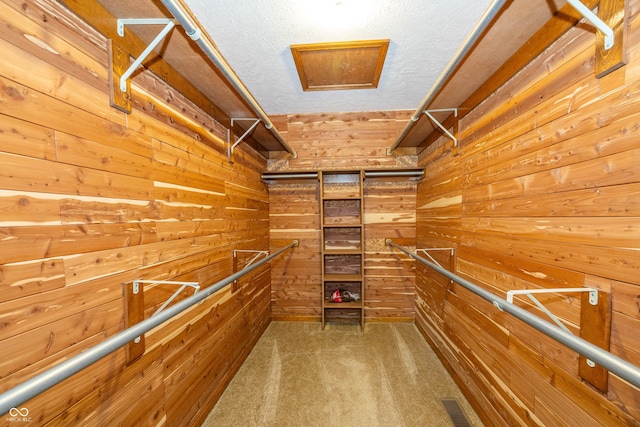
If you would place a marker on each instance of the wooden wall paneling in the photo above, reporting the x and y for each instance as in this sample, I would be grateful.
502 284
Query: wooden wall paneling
149 195
32 35
28 278
590 400
96 264
543 204
533 89
619 232
343 141
19 316
47 406
451 355
27 242
561 152
528 270
31 210
598 201
569 256
35 344
176 152
466 333
26 139
623 395
28 174
294 213
623 339
83 152
198 372
120 396
55 17
389 212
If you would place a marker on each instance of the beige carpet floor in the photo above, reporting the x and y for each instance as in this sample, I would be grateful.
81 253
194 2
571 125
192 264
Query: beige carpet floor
299 375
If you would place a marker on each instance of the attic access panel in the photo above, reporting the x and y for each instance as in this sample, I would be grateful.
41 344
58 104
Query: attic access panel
340 65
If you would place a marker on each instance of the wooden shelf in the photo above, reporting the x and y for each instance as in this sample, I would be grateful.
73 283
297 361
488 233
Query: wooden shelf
352 304
342 251
343 277
337 198
341 207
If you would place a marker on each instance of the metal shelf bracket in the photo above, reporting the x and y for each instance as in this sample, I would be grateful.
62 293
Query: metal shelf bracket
440 126
452 252
593 300
452 262
168 23
254 259
231 147
251 261
183 285
596 21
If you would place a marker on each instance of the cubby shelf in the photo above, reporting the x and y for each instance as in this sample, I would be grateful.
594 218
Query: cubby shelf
341 194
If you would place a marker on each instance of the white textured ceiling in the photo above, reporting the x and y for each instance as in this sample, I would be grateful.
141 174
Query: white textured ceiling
254 36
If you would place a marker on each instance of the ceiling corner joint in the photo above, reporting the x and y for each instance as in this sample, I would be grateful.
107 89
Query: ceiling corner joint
232 147
168 23
596 21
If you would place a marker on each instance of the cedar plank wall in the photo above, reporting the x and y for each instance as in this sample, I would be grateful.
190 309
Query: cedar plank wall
91 198
347 141
545 193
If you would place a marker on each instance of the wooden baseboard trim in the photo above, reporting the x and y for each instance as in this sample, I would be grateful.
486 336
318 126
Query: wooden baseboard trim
366 320
295 318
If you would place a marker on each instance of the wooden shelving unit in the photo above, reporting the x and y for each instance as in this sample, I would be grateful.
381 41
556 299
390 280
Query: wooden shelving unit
341 210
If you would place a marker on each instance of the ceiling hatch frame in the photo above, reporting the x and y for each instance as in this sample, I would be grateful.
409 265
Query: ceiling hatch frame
340 65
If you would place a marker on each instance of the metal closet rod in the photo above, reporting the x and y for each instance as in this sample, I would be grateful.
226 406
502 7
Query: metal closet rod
373 174
466 46
611 362
18 395
195 33
367 173
267 176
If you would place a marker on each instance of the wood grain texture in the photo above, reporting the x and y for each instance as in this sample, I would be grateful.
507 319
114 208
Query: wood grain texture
542 195
343 141
91 199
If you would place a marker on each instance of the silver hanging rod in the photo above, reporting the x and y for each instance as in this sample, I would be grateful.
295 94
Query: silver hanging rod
178 10
168 23
293 175
373 174
607 360
32 387
596 21
486 19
